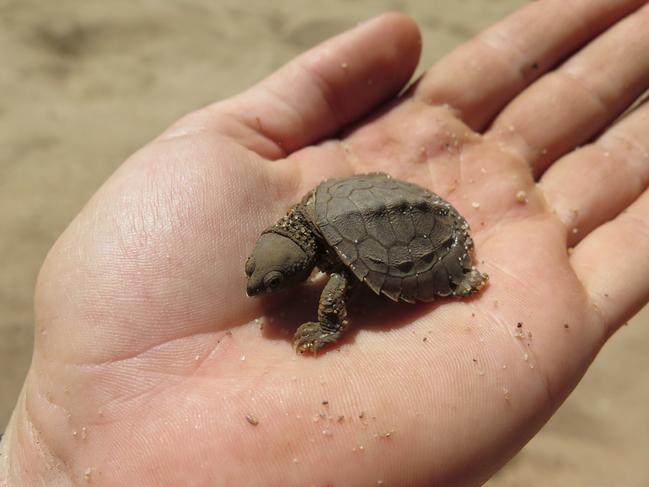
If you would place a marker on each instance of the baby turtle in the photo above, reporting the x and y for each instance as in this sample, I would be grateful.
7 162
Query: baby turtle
398 238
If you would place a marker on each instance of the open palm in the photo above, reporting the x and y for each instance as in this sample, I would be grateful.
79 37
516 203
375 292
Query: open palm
153 367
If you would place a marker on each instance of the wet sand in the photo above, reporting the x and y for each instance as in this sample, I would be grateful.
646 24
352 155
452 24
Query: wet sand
86 83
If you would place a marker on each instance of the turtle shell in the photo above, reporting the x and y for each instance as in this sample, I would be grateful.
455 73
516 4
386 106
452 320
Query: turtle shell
399 238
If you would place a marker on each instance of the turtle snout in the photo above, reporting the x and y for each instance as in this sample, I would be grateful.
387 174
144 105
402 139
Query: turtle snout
254 286
253 290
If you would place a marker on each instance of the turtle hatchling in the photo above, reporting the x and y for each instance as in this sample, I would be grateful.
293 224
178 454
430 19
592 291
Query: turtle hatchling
397 238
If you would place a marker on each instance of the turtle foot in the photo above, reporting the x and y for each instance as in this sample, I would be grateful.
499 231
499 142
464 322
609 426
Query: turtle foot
472 282
312 337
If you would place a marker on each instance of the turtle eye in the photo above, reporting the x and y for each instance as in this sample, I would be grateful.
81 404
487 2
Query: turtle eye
272 280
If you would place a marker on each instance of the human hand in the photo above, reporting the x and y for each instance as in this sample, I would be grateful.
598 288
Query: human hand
148 356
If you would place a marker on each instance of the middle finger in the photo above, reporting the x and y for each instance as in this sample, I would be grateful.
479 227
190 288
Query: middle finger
570 105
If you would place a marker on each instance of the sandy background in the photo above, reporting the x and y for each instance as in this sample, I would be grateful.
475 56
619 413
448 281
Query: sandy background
84 84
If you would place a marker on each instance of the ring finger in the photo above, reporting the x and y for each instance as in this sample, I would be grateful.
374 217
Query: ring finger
590 186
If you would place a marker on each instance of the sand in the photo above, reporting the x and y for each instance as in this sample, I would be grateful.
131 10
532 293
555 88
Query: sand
84 84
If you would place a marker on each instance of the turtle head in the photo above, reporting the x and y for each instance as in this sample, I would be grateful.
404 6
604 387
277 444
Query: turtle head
277 262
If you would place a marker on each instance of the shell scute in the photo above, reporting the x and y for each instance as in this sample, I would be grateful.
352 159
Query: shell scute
425 286
380 229
347 250
365 200
409 288
331 234
424 220
374 255
441 281
403 225
399 260
347 219
392 287
359 269
375 281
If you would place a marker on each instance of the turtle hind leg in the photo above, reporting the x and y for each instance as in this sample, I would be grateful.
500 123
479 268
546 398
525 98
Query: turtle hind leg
332 312
472 282
310 336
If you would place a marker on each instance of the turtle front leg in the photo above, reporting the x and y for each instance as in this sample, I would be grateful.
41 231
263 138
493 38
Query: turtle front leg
332 312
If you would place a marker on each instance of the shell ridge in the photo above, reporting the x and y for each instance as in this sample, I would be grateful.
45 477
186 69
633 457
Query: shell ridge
396 234
414 225
360 212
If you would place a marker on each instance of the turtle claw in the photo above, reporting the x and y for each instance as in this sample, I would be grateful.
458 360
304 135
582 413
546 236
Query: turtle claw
311 337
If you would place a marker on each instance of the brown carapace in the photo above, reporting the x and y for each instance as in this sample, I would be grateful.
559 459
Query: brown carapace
400 239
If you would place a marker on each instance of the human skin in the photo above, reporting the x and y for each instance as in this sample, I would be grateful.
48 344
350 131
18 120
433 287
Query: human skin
149 355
